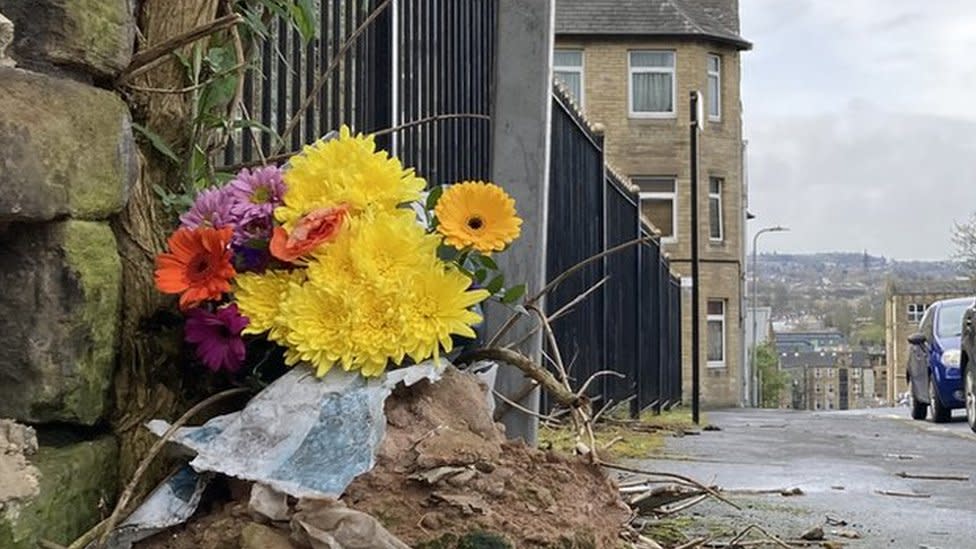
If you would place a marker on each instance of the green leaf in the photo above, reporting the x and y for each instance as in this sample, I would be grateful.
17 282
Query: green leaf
157 142
488 262
303 17
513 294
480 275
247 123
433 196
496 284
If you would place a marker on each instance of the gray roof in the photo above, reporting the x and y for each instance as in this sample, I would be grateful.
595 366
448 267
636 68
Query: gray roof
935 287
708 19
855 359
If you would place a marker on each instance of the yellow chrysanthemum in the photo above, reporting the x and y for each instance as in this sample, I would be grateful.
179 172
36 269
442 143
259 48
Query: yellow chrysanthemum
377 333
478 215
438 306
319 318
347 170
259 298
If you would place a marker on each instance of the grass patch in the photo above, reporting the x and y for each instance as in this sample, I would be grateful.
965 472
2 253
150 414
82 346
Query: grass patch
627 438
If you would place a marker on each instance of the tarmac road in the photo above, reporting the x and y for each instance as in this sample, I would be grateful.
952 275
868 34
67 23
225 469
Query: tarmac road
840 460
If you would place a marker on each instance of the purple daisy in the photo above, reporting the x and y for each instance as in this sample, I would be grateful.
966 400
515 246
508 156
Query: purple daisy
212 208
255 194
217 336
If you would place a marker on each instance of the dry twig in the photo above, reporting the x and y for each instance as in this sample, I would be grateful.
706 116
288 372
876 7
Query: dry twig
150 57
926 476
109 524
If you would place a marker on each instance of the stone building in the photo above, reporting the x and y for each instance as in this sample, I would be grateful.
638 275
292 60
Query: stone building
632 65
905 303
826 380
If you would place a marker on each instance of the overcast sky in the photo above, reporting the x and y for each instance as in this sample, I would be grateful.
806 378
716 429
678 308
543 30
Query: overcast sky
861 122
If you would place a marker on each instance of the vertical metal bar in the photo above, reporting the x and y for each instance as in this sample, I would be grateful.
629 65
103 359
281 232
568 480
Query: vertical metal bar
247 143
323 62
334 121
282 79
296 86
267 69
695 305
310 77
347 65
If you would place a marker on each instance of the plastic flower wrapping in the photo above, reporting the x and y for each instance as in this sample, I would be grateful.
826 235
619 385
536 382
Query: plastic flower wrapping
342 258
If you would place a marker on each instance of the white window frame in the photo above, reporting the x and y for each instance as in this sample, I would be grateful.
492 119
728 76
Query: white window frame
631 70
717 74
717 318
673 196
916 311
581 70
721 216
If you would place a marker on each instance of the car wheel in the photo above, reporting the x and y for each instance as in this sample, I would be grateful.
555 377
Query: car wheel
971 396
940 414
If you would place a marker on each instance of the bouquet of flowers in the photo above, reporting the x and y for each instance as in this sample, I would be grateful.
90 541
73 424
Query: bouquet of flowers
339 259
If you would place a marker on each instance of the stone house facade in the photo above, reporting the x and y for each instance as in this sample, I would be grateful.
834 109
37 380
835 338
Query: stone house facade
905 303
632 66
828 380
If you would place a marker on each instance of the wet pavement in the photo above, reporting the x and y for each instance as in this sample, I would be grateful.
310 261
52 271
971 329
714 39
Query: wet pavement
840 460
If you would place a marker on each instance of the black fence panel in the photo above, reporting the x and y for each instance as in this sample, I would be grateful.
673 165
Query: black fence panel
576 232
423 66
622 292
630 325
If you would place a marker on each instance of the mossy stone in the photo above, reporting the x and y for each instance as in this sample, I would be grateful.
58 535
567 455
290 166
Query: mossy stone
95 36
66 149
61 326
78 483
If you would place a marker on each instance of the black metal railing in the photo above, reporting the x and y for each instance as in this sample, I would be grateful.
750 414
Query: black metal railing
424 66
630 323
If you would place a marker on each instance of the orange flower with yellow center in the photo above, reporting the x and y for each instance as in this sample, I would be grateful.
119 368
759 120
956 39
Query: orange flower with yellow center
198 265
478 215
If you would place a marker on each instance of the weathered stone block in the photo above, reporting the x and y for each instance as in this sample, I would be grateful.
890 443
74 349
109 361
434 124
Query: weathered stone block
96 36
65 149
6 37
59 315
78 483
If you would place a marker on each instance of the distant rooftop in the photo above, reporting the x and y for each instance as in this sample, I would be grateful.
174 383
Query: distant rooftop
824 359
945 287
707 19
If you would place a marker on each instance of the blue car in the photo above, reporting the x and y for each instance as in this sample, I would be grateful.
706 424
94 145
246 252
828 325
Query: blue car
934 375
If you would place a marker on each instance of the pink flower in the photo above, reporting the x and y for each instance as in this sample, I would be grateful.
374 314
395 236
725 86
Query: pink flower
217 337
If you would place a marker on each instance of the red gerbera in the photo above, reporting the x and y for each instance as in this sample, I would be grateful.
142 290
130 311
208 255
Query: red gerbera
198 265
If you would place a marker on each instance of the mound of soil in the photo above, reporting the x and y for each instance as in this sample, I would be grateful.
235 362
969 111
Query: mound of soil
446 478
444 470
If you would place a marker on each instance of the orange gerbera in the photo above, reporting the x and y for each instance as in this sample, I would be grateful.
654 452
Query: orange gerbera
311 231
197 265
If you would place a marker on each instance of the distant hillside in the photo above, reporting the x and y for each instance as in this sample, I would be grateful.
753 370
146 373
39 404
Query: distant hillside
841 290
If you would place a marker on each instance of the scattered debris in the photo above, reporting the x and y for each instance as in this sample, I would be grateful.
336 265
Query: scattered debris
785 492
848 533
833 521
711 427
813 534
838 487
902 494
926 476
903 457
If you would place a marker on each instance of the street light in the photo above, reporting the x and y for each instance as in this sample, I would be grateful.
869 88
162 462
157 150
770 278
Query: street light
753 374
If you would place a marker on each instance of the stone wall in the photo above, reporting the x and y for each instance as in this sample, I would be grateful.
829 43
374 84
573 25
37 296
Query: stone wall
67 161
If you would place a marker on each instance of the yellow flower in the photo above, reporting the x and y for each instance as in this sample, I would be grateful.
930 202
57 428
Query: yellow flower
377 331
390 244
477 214
259 298
319 317
347 170
437 306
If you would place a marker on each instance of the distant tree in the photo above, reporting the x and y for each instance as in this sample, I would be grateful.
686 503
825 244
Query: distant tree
964 238
774 380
